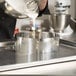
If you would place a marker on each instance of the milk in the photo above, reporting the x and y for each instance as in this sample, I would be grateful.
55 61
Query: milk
33 16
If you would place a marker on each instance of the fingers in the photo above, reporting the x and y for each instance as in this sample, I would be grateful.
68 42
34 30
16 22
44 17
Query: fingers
42 4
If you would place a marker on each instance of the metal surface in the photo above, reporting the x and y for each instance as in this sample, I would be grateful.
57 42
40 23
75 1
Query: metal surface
8 57
7 45
70 38
64 59
60 15
9 64
45 35
60 21
59 6
20 8
43 68
27 47
67 48
9 10
73 24
47 49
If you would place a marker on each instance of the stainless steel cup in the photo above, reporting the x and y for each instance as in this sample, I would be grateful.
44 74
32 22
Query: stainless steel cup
25 49
47 47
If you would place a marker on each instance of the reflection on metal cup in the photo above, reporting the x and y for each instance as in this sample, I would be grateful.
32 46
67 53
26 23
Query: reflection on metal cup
25 49
47 49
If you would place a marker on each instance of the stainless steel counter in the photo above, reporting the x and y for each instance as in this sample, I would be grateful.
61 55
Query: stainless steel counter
70 39
8 57
66 54
56 67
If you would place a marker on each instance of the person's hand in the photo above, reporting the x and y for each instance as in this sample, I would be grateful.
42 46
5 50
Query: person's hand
42 4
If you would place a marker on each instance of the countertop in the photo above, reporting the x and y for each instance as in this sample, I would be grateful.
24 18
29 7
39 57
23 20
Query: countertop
8 58
65 54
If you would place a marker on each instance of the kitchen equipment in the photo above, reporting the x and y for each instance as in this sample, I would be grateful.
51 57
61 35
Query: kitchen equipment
47 47
20 8
60 16
60 22
25 47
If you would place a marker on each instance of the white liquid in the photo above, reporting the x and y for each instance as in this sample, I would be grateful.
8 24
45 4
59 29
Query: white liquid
33 16
33 28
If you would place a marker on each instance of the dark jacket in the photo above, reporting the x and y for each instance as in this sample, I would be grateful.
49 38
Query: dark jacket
7 25
44 11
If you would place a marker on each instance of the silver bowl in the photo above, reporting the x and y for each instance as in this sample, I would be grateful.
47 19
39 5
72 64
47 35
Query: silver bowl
60 21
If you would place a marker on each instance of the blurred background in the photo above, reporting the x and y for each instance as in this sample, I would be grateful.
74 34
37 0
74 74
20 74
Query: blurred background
44 19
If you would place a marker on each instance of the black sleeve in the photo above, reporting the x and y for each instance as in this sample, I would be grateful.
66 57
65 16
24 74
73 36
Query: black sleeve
44 11
7 25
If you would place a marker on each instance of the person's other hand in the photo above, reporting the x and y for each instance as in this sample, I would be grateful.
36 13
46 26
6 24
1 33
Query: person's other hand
42 4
